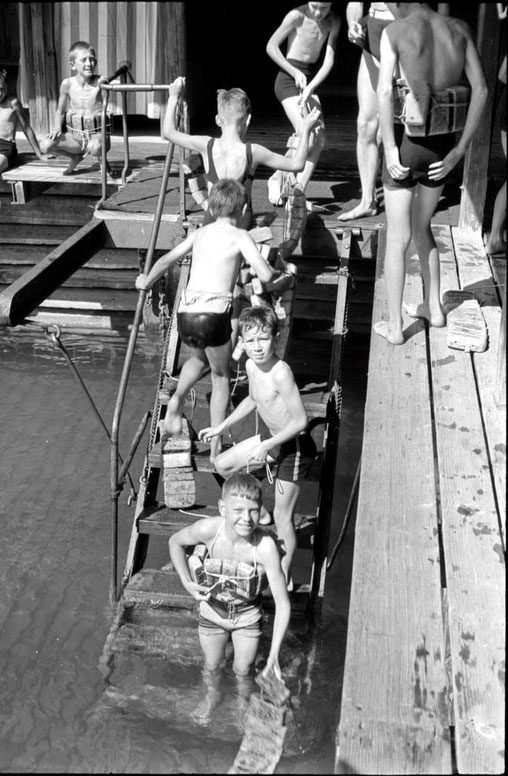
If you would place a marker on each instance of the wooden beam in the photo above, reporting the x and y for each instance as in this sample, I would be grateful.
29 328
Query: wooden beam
26 293
476 163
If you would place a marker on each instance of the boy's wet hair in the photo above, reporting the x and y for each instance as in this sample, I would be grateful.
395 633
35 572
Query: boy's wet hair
233 103
227 196
242 485
262 317
80 44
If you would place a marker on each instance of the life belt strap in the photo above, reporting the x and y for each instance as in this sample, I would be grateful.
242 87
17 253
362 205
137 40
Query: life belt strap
425 113
86 124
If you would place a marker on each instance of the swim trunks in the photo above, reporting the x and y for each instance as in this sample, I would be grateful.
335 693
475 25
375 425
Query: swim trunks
374 30
292 460
9 150
418 153
204 319
215 618
285 85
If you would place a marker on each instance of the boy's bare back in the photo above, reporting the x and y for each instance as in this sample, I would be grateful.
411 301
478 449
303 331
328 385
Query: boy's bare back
307 36
216 257
431 48
8 121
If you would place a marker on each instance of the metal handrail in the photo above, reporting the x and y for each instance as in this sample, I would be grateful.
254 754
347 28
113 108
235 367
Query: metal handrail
123 88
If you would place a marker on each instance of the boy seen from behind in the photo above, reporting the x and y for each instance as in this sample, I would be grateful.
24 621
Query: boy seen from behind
205 310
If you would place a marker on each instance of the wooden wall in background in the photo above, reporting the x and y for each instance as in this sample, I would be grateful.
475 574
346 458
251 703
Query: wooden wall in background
38 77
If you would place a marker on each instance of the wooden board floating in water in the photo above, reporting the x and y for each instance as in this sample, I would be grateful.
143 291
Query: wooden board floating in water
466 328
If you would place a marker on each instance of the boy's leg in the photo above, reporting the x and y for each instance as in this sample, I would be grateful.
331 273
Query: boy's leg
367 144
245 650
237 457
95 149
4 163
317 139
424 205
65 145
214 646
398 204
190 374
286 496
220 363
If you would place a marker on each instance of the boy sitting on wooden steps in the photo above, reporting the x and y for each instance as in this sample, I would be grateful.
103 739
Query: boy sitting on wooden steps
204 313
12 116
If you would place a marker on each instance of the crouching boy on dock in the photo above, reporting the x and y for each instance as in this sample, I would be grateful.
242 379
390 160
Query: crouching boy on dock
287 445
78 117
239 558
229 156
205 310
12 116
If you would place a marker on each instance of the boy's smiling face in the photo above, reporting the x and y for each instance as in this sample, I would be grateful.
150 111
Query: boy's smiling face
84 62
241 513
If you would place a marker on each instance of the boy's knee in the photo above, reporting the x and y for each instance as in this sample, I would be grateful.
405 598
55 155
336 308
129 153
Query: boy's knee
95 145
46 144
221 466
242 669
367 127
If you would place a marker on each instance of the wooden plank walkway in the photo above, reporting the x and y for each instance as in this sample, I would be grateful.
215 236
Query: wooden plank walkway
424 669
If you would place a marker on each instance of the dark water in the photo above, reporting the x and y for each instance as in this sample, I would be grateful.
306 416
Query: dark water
54 577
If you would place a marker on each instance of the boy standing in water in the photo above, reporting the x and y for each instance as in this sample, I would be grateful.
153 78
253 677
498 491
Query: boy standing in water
11 116
287 445
204 314
240 559
432 52
80 110
307 29
229 156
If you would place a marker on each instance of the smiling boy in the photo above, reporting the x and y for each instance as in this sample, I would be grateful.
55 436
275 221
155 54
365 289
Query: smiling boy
80 110
287 445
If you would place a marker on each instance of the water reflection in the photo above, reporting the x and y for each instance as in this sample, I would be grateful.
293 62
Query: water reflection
60 713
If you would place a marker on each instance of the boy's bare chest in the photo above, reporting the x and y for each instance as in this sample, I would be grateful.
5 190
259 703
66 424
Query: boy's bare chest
84 96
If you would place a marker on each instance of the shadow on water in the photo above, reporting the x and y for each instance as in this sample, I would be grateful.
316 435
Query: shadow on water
58 713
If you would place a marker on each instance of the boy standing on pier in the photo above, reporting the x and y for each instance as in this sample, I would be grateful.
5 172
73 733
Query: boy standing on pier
274 395
205 310
432 52
11 116
79 109
307 29
229 156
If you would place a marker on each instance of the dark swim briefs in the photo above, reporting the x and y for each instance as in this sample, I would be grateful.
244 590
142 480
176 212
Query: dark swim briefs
204 330
285 85
9 150
295 457
372 42
418 153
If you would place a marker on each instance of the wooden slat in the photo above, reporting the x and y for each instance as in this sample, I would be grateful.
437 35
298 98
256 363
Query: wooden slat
475 570
394 715
475 275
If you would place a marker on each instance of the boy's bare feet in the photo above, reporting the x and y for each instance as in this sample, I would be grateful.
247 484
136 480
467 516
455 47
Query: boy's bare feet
436 318
75 160
493 246
172 423
360 211
384 329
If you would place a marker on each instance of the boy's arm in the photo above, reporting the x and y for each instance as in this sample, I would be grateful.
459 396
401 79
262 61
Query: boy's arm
27 129
170 131
296 163
270 558
385 106
241 411
144 282
473 69
60 109
291 20
199 532
252 256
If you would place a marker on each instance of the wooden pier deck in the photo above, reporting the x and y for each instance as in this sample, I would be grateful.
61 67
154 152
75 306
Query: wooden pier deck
423 687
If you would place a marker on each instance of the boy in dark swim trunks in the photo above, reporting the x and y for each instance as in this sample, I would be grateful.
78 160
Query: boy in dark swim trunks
204 314
307 29
238 561
432 52
12 116
287 446
229 156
